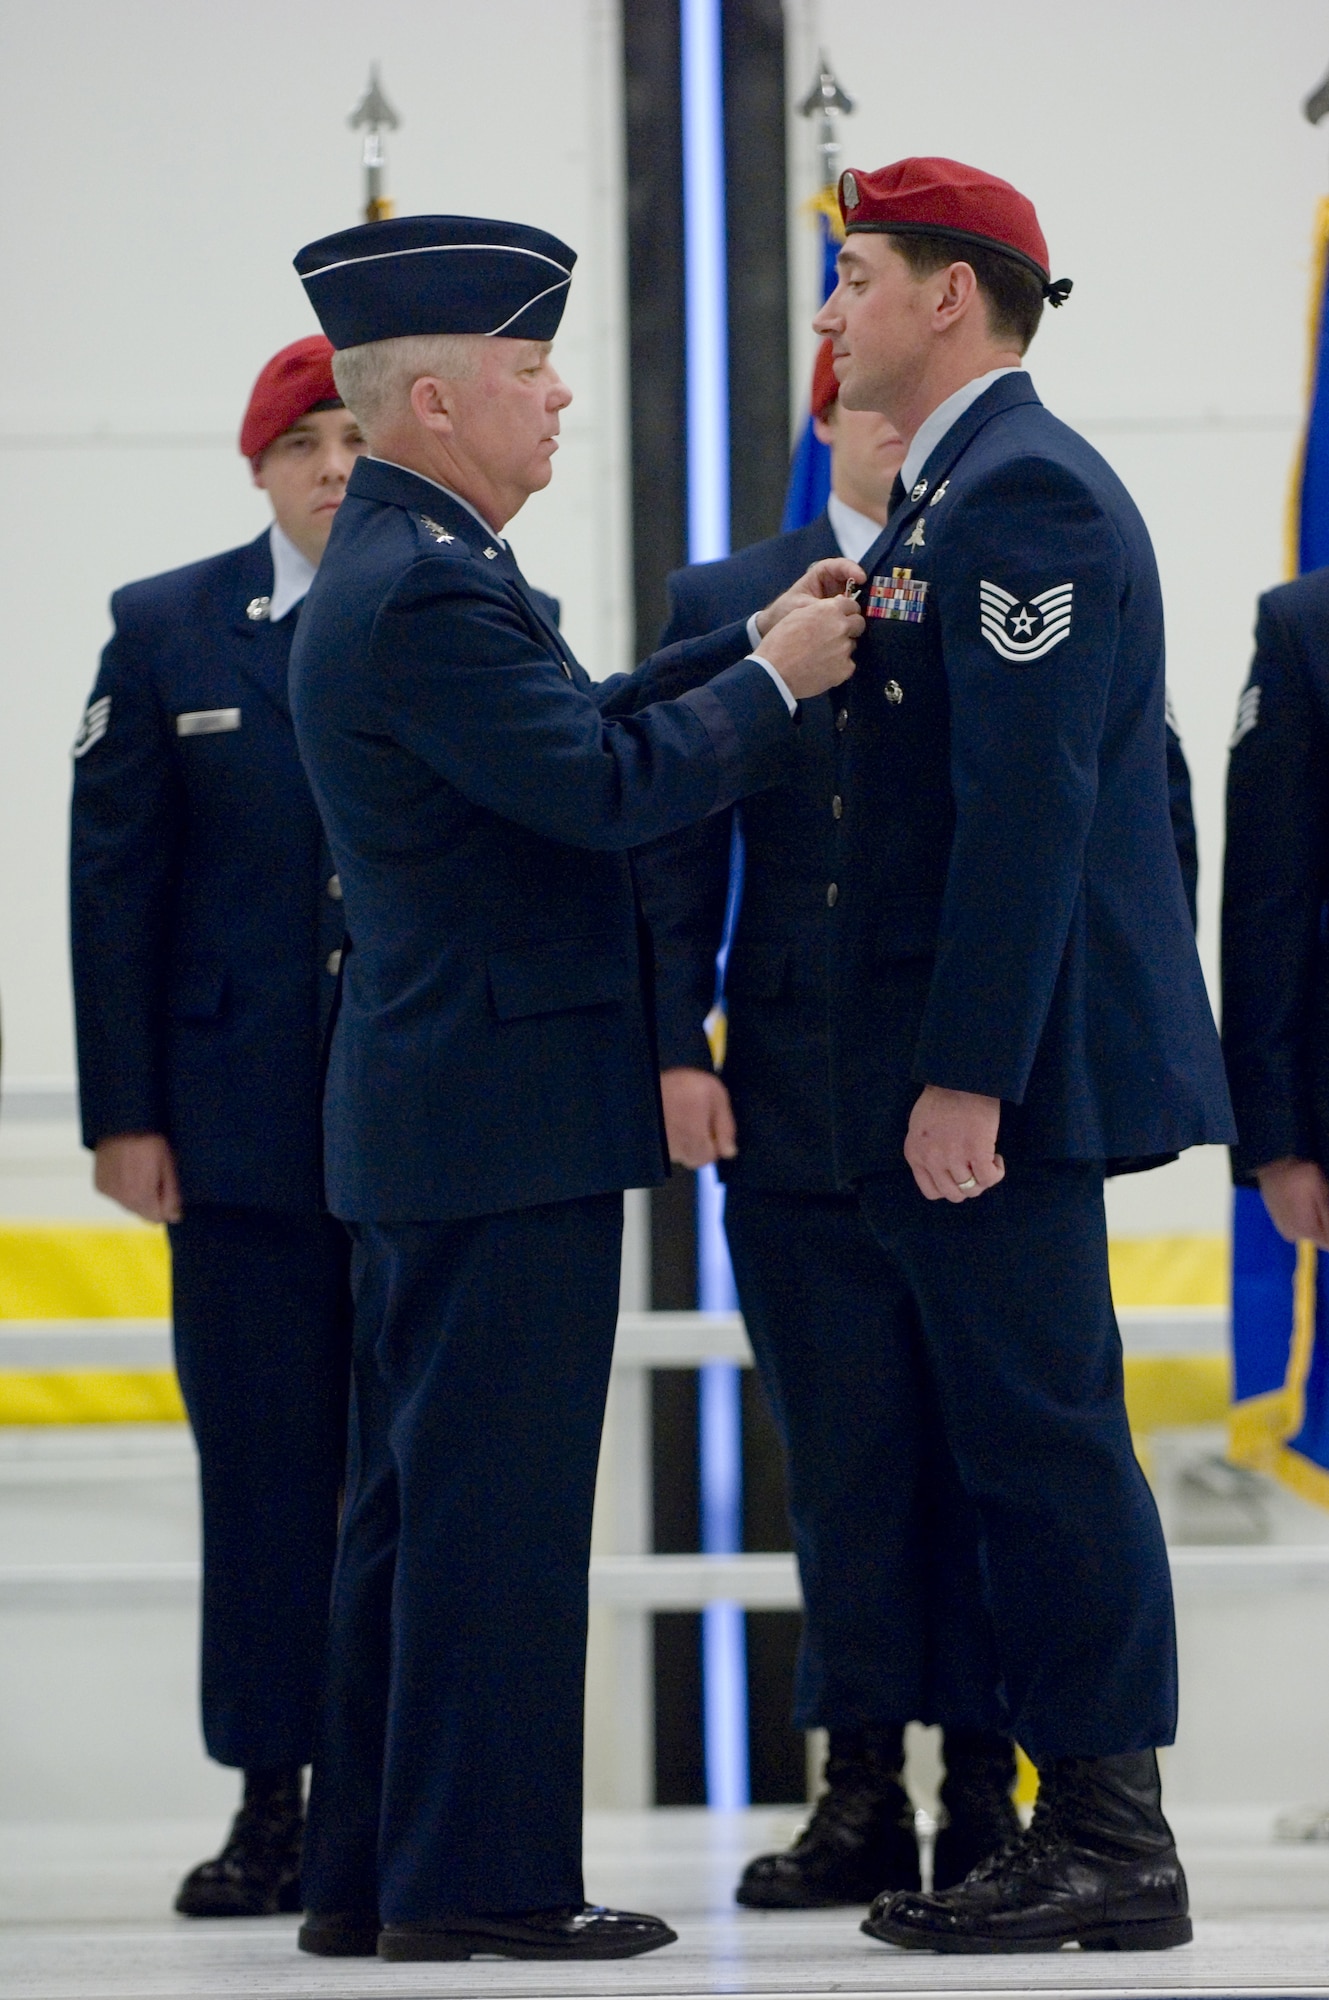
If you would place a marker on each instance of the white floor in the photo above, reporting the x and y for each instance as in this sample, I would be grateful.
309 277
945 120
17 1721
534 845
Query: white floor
86 1917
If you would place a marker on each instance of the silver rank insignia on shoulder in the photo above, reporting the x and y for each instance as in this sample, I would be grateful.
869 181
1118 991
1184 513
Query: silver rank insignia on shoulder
940 490
918 491
1023 630
258 607
432 528
915 540
96 721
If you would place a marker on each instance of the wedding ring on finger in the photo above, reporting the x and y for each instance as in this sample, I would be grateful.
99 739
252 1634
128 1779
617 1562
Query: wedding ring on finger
964 1186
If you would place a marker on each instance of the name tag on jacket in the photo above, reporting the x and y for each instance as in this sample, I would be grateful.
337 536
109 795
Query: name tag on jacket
207 721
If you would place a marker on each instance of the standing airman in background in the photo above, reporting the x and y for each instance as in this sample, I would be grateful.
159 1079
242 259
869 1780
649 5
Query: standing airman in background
206 928
1017 1008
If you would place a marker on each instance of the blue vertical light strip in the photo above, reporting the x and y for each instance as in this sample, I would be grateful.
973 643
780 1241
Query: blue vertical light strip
724 1649
706 309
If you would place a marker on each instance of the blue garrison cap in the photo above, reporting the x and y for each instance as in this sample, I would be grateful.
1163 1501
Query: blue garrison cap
436 274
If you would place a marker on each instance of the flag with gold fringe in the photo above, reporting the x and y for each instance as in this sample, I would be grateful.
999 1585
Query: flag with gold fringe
1279 1423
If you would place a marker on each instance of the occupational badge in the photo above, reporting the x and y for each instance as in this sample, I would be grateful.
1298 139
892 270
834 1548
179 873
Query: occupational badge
900 595
1024 629
96 721
915 541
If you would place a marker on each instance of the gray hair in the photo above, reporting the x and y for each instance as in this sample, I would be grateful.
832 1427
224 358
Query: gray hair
375 381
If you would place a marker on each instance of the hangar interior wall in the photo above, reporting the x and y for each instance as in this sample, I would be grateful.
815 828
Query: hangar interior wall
171 159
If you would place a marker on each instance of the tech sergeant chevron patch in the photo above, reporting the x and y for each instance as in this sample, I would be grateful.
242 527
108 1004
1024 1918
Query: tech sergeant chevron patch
1022 630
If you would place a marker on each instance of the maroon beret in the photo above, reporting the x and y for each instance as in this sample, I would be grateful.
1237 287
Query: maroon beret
825 388
931 197
294 382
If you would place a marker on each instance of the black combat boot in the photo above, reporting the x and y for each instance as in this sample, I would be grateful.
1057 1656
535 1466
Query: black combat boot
978 1815
1098 1867
257 1873
860 1839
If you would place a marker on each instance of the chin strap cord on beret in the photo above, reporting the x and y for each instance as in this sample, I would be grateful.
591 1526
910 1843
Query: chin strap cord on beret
1057 292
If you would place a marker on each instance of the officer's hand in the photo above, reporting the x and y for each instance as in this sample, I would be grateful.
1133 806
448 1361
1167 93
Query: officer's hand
1296 1194
952 1139
826 578
137 1169
812 649
699 1119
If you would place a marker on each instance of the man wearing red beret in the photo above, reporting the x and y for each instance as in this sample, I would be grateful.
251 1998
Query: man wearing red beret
206 929
1017 1009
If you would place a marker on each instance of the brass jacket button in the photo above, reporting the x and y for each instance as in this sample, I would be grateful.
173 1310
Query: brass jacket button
842 718
832 896
334 887
334 963
837 807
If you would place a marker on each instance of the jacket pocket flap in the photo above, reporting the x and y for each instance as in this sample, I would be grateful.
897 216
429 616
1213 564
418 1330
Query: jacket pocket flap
757 967
908 928
198 993
552 978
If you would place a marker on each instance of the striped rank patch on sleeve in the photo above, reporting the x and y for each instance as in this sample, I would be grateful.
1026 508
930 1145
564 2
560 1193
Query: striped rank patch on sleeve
96 721
1248 714
1024 629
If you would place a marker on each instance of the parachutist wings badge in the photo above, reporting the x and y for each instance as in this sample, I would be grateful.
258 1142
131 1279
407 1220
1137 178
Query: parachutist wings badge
1024 629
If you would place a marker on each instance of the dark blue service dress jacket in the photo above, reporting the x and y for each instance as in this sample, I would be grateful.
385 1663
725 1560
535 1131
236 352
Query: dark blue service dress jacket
494 1047
776 1069
1276 886
1005 909
204 916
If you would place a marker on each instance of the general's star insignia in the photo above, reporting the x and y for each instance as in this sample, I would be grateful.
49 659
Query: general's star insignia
432 528
1024 630
915 541
940 490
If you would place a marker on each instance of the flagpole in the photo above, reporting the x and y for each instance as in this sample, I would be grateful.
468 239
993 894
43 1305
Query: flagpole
377 116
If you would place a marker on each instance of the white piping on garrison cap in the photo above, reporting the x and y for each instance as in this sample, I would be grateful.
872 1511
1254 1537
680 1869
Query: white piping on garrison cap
436 250
494 330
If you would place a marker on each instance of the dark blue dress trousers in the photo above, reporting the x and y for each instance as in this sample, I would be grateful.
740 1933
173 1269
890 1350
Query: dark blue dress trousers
448 1774
262 1347
1007 1296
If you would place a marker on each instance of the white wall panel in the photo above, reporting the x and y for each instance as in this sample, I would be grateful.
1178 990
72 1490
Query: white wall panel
174 155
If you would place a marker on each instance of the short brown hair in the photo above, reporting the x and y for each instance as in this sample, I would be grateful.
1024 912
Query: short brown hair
1012 293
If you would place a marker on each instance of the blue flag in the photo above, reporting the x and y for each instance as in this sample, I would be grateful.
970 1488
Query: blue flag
1280 1293
809 485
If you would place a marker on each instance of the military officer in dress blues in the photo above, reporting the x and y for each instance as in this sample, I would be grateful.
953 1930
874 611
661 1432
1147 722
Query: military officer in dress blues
1276 872
895 1625
1017 1006
492 1084
206 927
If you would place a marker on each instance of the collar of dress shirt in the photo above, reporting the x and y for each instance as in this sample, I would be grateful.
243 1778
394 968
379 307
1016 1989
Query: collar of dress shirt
854 532
439 487
292 573
934 428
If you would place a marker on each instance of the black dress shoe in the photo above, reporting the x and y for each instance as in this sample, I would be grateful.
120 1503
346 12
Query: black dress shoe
584 1930
257 1873
978 1816
339 1934
859 1841
1098 1867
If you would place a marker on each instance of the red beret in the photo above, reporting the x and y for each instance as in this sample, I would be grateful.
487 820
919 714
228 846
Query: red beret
825 388
922 197
291 384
